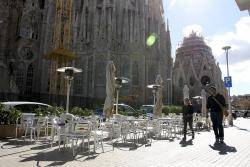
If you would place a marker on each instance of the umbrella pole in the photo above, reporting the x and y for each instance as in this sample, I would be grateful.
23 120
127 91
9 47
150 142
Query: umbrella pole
117 96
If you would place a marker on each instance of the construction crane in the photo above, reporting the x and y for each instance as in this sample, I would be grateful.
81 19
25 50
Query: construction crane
60 56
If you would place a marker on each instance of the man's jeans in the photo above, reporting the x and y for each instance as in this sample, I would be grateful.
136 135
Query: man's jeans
216 118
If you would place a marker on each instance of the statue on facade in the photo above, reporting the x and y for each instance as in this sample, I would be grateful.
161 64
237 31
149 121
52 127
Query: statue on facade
185 92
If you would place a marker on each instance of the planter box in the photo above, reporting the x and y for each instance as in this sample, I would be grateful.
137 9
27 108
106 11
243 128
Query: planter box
10 131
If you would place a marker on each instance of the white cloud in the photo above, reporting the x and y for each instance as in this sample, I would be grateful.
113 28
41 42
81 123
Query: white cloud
192 28
240 77
171 3
238 56
239 72
239 40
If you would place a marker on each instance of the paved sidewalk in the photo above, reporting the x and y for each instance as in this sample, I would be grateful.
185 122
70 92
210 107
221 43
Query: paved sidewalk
200 152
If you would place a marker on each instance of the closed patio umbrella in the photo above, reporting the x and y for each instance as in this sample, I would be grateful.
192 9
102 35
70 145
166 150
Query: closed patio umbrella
110 89
158 104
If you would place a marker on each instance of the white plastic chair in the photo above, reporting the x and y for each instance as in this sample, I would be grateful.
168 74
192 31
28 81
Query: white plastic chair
105 130
40 125
26 122
82 130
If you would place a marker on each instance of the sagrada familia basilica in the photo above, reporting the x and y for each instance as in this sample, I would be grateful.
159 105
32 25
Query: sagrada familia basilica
99 31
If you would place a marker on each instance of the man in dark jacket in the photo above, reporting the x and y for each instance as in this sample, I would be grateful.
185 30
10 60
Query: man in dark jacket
188 111
214 103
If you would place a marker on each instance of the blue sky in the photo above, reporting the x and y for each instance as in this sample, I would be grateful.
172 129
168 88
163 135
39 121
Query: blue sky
221 23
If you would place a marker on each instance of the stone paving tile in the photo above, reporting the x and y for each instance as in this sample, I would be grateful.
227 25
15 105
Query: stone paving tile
162 153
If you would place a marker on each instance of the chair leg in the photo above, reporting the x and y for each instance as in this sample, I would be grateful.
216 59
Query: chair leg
16 133
102 144
94 143
52 137
73 147
26 130
88 145
59 142
38 133
30 134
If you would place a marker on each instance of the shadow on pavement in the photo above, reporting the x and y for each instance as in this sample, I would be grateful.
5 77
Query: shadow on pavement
223 148
15 143
59 158
242 128
184 143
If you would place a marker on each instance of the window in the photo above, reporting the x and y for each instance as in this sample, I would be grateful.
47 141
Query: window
125 67
181 83
100 71
78 85
20 77
29 79
191 81
151 74
135 73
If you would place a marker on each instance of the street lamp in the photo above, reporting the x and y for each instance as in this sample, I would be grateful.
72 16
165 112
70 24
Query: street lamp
230 119
154 88
68 72
118 84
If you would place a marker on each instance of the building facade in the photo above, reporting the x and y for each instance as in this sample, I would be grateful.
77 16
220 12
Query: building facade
101 30
195 66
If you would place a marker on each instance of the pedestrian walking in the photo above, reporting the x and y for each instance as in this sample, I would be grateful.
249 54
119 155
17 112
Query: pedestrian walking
187 111
216 104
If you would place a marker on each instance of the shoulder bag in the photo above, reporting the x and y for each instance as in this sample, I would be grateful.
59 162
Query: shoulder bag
223 109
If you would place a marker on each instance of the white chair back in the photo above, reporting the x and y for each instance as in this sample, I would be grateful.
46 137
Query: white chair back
27 119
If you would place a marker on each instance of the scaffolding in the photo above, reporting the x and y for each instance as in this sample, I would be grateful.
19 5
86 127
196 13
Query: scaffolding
60 55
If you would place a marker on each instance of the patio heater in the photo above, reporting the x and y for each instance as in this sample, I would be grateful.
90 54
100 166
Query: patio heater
69 72
154 88
118 84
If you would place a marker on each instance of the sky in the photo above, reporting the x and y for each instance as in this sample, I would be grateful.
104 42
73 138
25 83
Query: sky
221 23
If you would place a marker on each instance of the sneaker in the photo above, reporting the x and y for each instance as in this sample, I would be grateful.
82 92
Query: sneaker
184 139
217 140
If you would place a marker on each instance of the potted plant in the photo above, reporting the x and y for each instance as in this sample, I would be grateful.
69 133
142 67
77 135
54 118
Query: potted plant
54 110
8 118
78 111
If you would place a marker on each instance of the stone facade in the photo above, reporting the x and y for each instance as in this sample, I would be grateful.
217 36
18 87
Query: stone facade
195 66
102 30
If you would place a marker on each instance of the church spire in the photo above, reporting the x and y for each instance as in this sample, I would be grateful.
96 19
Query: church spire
167 26
169 46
